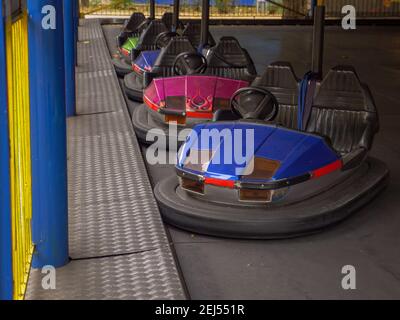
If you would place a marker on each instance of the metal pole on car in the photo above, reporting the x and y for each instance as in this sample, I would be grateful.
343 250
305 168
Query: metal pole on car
318 39
175 23
152 9
313 3
205 23
48 133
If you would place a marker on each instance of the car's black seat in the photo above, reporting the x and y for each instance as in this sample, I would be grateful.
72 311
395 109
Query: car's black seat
228 59
164 64
344 111
133 28
148 37
193 32
136 19
280 79
167 19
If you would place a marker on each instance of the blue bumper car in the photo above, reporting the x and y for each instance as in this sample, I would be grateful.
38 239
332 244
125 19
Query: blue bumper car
280 170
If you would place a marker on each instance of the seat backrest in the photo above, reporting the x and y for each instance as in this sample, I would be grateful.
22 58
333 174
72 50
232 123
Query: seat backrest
164 64
344 111
193 32
228 59
280 79
168 18
149 35
134 21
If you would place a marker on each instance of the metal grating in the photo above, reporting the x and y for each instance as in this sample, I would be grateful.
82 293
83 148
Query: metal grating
146 275
112 209
118 243
96 91
92 56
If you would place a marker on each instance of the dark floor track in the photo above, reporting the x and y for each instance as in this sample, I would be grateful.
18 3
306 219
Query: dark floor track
310 267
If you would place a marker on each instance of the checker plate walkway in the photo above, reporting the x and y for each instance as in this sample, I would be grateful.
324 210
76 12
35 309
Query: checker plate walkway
118 244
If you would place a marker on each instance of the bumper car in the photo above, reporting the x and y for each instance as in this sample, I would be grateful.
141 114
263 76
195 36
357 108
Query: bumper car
135 82
131 44
191 98
136 23
127 39
146 59
289 181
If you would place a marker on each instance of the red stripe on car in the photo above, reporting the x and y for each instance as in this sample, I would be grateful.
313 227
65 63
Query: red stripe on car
220 182
337 165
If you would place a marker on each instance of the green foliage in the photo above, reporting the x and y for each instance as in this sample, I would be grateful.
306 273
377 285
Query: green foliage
121 3
223 6
95 3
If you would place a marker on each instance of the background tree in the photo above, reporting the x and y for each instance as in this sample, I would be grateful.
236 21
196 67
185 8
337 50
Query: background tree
297 6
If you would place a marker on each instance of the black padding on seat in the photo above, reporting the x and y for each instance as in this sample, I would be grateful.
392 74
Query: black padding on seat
149 35
193 32
344 111
225 115
279 78
228 59
134 21
163 66
133 28
167 19
342 89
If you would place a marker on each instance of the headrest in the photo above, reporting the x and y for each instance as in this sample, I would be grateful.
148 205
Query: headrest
193 32
280 79
167 18
155 28
176 46
341 89
229 45
280 75
135 20
228 52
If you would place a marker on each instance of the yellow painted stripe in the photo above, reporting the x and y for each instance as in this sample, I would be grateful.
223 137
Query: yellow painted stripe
20 151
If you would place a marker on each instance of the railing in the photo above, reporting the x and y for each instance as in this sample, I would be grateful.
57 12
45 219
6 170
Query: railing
243 9
192 8
365 8
19 162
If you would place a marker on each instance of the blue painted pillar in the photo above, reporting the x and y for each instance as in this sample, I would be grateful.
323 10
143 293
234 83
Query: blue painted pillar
69 52
48 133
76 33
6 279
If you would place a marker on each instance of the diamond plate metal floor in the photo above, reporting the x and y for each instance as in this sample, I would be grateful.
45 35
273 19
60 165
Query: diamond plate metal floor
118 244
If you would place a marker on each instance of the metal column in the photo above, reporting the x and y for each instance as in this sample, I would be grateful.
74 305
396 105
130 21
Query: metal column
152 9
318 40
205 21
175 24
48 125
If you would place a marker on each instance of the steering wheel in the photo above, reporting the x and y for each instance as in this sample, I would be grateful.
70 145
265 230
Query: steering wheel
164 38
254 103
189 63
